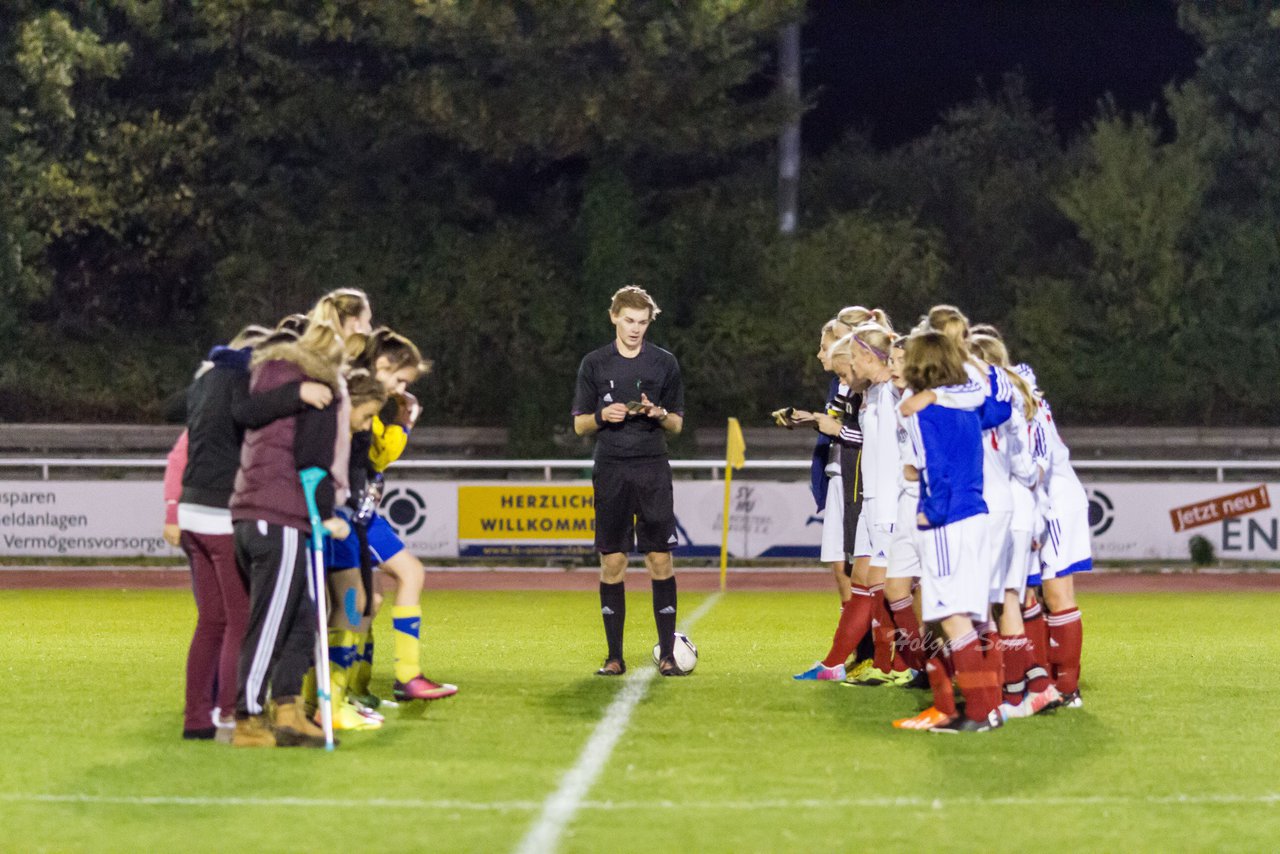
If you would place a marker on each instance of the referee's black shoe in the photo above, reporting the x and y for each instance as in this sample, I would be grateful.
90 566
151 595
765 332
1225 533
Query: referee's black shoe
612 667
668 667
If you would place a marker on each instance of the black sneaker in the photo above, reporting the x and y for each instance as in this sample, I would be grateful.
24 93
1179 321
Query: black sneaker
668 667
612 667
961 723
201 734
920 680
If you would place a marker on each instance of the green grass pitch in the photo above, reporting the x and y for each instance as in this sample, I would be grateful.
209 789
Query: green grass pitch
1176 749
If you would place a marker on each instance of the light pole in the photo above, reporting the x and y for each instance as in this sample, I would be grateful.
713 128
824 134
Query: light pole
789 139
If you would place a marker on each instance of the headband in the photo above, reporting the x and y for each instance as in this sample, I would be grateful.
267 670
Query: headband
878 353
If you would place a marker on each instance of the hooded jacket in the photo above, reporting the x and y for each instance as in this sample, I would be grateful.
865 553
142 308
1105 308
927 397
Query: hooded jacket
267 487
218 409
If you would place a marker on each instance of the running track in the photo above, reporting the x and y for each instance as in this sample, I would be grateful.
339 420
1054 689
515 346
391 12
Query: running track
691 579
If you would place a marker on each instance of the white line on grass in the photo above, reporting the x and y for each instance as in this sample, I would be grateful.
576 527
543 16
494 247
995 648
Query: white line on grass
1266 799
559 809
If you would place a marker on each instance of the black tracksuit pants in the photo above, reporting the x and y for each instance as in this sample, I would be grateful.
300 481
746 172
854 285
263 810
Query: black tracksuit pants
279 644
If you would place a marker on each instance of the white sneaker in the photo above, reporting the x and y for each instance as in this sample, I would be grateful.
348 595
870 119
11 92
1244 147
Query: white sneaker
226 725
1015 710
1047 699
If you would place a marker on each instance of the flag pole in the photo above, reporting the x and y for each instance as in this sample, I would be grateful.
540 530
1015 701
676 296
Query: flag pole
724 528
735 456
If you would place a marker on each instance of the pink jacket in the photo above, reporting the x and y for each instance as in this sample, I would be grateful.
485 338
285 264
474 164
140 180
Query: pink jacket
177 463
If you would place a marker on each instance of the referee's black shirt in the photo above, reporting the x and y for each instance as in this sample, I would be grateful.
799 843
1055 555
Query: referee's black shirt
606 377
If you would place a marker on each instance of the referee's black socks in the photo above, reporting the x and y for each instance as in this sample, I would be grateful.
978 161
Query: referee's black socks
664 614
613 607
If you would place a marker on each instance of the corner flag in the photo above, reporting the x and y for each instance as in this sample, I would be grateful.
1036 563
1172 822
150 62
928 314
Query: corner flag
735 457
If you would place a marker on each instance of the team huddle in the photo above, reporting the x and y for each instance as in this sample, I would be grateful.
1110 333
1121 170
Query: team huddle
325 391
949 500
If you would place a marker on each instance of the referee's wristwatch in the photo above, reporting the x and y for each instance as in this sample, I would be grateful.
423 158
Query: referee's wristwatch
662 417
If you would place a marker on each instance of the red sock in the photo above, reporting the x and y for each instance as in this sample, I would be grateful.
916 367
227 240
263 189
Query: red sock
882 631
1066 636
944 696
974 677
909 642
1037 634
992 654
1017 661
855 617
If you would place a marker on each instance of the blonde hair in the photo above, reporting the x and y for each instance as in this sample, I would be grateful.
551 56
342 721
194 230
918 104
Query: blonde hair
295 323
991 350
834 328
949 320
841 348
875 339
353 345
323 339
250 336
856 315
338 306
932 359
634 297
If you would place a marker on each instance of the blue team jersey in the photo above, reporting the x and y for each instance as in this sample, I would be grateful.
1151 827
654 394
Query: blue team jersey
997 408
948 446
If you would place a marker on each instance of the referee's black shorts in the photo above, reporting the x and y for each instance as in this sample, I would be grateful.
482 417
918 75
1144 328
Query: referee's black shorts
635 510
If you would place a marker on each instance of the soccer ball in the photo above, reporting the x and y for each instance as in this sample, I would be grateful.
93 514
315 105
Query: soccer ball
686 654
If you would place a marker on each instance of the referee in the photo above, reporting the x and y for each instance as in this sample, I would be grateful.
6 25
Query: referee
630 395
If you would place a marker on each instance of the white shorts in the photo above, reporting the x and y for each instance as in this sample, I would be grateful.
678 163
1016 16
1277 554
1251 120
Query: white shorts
868 541
833 522
1024 509
955 579
1020 564
1067 548
904 548
999 552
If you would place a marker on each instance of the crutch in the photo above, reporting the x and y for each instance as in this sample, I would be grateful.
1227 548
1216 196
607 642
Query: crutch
311 478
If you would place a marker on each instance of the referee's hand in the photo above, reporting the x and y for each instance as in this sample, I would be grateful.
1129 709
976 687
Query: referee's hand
614 413
651 409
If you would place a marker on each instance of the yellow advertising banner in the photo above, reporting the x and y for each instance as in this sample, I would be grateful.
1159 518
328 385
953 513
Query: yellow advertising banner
516 512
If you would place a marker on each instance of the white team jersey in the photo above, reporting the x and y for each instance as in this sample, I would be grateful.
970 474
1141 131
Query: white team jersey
1024 472
1067 548
1047 448
880 465
967 396
906 452
1005 451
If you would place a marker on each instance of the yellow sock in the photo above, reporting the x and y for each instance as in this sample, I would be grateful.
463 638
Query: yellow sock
362 669
309 701
407 622
342 651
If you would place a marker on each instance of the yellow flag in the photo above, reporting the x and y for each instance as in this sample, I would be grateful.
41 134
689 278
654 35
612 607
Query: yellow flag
735 455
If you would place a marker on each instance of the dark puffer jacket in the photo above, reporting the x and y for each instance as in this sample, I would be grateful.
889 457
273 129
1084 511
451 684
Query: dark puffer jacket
267 486
219 409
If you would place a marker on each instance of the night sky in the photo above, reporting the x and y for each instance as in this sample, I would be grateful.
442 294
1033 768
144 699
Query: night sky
892 68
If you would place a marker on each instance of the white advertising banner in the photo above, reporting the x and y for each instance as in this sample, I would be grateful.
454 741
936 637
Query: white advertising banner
1129 521
83 518
766 519
425 515
1156 521
124 518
